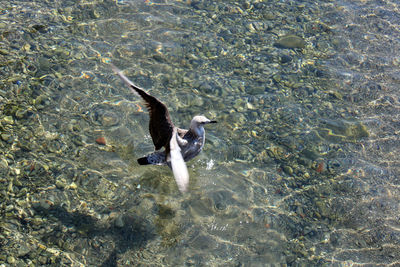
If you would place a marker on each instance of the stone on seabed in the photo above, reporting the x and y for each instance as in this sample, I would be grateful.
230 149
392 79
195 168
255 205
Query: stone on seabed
290 41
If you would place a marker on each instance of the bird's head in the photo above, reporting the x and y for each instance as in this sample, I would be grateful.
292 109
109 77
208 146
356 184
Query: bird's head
198 122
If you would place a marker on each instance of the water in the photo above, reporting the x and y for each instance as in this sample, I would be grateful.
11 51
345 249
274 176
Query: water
302 169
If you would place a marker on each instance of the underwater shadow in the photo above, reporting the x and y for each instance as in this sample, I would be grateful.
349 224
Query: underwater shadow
132 231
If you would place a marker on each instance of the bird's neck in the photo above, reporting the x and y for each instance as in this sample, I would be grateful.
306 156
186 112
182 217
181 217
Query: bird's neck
197 131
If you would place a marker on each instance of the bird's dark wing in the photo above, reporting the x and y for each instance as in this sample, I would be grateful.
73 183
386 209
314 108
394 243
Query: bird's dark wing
160 125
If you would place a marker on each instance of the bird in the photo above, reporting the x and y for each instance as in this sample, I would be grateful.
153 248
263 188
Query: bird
180 145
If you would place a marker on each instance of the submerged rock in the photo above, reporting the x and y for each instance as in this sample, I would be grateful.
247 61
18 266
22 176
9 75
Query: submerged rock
290 41
350 130
287 169
285 59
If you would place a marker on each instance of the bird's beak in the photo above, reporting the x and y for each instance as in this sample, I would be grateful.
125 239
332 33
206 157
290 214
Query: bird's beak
212 122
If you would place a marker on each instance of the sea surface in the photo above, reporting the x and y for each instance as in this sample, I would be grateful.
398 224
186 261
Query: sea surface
302 168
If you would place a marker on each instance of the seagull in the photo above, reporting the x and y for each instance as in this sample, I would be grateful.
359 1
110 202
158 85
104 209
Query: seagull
180 145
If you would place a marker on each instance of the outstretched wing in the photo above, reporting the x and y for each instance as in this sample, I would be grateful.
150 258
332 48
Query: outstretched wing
178 165
160 125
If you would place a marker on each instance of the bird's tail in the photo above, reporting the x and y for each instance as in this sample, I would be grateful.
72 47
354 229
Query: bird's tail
143 161
156 158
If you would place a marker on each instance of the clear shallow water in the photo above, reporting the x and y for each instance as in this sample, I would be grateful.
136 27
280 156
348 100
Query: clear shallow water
302 168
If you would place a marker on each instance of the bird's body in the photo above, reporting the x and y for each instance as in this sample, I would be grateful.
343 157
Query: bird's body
180 145
190 144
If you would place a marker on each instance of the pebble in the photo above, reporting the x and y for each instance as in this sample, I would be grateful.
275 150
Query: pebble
20 114
60 184
11 260
119 221
40 100
23 250
3 164
109 119
42 259
95 14
101 141
250 106
335 94
45 204
287 169
40 28
8 119
250 27
73 186
269 16
22 192
285 59
44 64
5 137
358 131
198 101
4 52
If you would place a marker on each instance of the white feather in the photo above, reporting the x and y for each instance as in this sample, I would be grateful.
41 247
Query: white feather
178 165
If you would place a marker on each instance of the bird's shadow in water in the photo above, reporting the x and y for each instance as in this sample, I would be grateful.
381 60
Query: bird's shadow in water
133 233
